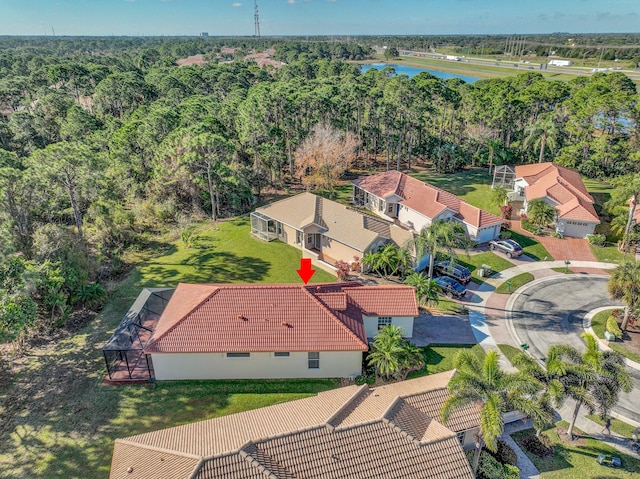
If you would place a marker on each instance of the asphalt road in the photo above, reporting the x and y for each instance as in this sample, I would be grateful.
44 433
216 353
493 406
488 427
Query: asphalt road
551 312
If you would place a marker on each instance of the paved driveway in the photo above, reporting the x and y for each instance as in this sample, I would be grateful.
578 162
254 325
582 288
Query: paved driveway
574 249
551 311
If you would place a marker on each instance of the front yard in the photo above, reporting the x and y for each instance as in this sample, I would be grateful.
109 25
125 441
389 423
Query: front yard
577 459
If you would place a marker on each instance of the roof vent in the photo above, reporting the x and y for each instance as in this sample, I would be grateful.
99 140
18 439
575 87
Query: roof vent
241 317
335 457
286 325
130 469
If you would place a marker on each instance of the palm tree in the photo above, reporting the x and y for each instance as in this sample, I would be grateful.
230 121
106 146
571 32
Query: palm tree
541 212
624 285
391 353
499 196
626 192
551 391
373 261
426 289
493 146
543 133
482 382
593 378
440 235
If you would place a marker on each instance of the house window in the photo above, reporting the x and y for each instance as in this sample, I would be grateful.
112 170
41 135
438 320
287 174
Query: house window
309 239
314 360
279 226
281 355
461 437
383 321
238 355
381 205
298 237
390 208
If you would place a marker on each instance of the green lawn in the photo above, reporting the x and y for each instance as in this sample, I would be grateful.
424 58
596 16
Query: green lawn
58 422
572 461
617 426
598 323
609 254
439 357
473 186
516 282
562 270
447 305
509 351
531 247
475 261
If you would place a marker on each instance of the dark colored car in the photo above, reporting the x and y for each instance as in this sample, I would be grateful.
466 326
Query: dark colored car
457 272
450 286
508 247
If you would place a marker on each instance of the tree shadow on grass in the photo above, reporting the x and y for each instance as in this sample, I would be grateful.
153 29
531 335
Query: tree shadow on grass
211 267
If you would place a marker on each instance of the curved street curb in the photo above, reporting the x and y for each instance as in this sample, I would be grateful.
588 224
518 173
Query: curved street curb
604 344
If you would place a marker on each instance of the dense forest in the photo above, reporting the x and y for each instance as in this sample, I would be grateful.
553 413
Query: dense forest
106 142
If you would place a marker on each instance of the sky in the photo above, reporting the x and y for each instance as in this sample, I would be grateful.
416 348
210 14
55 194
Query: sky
316 17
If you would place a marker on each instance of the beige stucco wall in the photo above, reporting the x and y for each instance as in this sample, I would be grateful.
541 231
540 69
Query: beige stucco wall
288 236
333 364
405 322
407 215
469 438
336 250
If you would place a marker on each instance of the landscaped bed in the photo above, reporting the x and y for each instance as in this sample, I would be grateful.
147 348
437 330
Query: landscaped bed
577 459
630 347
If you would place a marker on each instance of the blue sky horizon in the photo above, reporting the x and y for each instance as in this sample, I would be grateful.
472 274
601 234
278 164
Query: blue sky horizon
315 17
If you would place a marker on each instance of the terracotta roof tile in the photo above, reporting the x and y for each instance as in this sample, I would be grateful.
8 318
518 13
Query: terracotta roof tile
562 185
253 318
393 438
431 402
385 300
424 198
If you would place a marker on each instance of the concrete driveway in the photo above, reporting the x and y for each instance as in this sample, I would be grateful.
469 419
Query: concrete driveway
551 310
428 329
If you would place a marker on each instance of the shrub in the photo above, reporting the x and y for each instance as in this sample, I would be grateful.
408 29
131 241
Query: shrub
597 239
511 472
186 235
506 234
541 446
343 269
530 227
613 328
555 234
505 454
506 212
489 467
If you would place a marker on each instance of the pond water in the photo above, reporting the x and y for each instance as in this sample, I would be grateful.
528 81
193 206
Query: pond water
413 71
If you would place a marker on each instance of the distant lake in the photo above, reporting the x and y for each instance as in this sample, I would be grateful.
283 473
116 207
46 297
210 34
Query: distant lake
413 71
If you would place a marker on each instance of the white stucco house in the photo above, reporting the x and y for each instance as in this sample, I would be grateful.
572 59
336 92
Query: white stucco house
415 205
563 189
263 331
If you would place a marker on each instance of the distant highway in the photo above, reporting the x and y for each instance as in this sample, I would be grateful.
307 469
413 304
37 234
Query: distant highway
514 64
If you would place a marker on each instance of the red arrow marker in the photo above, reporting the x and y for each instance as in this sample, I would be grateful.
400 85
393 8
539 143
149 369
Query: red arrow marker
305 272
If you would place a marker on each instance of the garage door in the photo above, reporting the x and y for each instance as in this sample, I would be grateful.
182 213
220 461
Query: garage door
576 229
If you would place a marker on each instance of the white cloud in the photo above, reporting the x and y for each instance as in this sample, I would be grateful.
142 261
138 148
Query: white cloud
236 4
291 2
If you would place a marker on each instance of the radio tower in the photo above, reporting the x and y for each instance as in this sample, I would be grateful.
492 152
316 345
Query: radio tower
256 18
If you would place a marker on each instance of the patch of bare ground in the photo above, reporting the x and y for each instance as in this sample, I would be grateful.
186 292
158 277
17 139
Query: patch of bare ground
578 438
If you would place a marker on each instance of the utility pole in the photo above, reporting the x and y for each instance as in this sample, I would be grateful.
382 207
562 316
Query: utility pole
256 19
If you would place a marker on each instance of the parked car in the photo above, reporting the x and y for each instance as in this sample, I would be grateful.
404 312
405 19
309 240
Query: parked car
508 247
450 286
457 272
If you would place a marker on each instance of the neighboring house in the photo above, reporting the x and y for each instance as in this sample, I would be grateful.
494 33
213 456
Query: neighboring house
259 331
399 197
563 189
324 230
352 432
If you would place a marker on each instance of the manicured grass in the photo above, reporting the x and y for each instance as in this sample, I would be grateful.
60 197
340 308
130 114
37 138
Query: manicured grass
475 261
572 461
473 186
509 351
609 254
226 253
617 426
562 270
447 305
516 282
58 422
599 322
531 247
439 357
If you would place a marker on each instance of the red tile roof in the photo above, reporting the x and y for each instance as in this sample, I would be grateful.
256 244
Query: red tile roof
424 198
276 317
562 185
